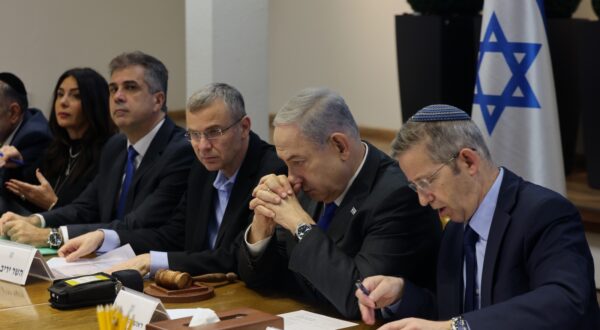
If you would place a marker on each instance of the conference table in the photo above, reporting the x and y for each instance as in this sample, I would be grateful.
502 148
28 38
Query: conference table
27 307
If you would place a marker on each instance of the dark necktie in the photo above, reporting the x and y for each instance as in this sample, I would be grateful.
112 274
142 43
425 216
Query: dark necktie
129 172
470 237
325 219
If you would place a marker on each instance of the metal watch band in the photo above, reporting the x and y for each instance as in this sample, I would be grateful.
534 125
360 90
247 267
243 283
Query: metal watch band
458 323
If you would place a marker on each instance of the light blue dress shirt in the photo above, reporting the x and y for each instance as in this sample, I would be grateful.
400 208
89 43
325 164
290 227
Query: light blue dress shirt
480 222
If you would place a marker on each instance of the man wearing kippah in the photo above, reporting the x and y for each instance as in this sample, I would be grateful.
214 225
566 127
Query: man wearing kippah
514 255
23 128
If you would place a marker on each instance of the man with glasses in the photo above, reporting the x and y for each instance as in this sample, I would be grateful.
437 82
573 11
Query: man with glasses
514 255
363 219
142 172
200 237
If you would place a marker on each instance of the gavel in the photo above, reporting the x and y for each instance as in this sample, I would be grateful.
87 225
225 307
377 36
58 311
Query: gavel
175 280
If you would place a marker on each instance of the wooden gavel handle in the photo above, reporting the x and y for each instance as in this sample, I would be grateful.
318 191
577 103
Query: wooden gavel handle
215 278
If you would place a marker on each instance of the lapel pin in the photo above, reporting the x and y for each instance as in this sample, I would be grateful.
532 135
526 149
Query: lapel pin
353 210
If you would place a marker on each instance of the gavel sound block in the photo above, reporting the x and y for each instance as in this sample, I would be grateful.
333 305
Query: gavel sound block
238 319
176 287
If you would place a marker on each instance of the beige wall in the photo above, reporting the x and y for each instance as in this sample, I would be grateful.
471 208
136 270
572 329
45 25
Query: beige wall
41 39
347 45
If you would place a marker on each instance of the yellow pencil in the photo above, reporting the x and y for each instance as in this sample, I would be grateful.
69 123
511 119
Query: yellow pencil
111 317
100 316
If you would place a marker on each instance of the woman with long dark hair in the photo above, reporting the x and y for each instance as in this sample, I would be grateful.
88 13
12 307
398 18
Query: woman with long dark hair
80 124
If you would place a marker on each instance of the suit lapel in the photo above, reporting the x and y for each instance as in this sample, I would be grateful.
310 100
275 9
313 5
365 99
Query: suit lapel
204 212
450 264
114 179
155 150
360 189
242 188
500 222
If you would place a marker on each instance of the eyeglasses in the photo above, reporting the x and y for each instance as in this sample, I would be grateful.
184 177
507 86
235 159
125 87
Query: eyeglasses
424 185
210 134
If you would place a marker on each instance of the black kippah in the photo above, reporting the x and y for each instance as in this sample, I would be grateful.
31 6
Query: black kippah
439 112
14 82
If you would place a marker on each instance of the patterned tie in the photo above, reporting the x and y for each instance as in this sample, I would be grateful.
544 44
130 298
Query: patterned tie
325 219
129 172
470 237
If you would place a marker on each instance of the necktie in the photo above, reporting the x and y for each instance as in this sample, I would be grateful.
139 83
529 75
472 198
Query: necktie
325 219
470 237
129 172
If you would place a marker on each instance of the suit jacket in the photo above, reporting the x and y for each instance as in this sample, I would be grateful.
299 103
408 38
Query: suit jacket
186 234
379 228
157 186
538 271
31 139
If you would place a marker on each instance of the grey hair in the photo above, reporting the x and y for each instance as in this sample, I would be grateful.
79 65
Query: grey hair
208 94
318 112
156 74
443 139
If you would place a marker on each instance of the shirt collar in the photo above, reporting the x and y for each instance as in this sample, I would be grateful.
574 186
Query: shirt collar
144 143
9 139
223 182
338 201
481 221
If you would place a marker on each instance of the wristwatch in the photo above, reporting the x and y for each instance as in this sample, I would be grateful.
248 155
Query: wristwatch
302 229
458 323
55 239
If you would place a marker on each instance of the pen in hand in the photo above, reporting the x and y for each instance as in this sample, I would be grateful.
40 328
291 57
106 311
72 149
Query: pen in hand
364 290
14 160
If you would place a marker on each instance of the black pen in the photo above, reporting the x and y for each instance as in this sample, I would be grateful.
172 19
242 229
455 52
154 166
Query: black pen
362 288
14 160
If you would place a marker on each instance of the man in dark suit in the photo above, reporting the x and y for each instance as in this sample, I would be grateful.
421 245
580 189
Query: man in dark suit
371 220
142 172
200 237
23 128
514 255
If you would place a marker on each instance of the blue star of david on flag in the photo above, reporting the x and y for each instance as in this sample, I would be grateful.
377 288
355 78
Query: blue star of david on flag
518 91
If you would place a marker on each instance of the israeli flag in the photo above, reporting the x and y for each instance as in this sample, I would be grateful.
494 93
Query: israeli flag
515 101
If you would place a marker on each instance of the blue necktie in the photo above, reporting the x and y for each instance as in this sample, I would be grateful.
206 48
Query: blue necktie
129 172
325 219
470 237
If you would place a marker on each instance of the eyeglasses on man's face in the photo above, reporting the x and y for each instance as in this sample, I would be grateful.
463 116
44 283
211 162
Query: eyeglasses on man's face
209 134
424 185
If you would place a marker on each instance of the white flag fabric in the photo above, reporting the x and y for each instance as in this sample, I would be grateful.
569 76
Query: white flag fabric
515 102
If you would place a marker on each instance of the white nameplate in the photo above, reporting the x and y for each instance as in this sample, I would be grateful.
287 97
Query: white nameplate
18 261
141 308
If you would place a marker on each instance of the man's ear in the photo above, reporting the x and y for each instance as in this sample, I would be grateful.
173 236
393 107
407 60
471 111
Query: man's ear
15 112
471 159
340 143
159 100
246 124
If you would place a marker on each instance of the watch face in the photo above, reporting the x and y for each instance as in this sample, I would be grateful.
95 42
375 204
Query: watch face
54 239
302 230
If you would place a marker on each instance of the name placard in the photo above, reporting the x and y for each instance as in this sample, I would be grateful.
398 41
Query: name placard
141 308
18 261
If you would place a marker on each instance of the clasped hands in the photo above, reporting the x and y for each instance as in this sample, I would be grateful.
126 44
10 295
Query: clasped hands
274 203
24 230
